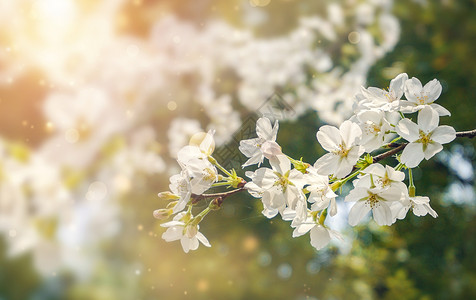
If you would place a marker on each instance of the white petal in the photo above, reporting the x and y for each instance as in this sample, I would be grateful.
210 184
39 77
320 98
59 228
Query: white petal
408 130
280 164
203 239
440 110
249 147
263 128
185 241
382 214
375 169
320 237
357 194
327 164
257 158
412 155
303 228
433 90
428 119
350 132
397 85
329 137
172 234
443 134
431 149
413 89
357 212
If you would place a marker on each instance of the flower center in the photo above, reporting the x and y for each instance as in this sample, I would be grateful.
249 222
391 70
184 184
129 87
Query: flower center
342 150
210 175
424 138
372 201
422 99
372 127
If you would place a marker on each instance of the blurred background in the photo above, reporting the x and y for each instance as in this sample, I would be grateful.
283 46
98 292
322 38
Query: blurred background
96 98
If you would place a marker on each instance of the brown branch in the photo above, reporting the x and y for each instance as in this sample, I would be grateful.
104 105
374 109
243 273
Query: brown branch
469 134
196 198
389 152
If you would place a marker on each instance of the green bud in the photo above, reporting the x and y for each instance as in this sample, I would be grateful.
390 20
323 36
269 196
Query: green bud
168 196
216 203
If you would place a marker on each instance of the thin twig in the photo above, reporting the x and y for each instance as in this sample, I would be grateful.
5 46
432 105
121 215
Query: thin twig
469 134
223 195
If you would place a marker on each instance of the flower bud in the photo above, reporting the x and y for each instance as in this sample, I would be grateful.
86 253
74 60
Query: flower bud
172 204
168 196
162 214
216 203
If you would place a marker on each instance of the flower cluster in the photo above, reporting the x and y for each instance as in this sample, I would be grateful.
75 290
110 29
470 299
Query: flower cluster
305 194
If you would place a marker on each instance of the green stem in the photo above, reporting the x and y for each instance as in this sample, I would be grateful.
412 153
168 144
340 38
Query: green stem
220 184
214 161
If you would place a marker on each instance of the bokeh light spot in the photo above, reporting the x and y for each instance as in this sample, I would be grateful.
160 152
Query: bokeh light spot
172 105
354 37
71 135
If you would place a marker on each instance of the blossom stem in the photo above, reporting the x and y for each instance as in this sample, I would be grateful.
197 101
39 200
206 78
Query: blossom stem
411 187
220 184
214 161
323 216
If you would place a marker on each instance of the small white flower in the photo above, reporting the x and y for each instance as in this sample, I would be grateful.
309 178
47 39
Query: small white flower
375 129
320 235
418 204
343 146
375 199
180 185
425 138
419 96
321 194
382 177
386 100
188 235
279 187
264 145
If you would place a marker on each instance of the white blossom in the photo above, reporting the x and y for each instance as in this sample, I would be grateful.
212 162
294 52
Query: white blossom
418 204
375 129
425 139
188 234
265 143
376 200
279 187
343 146
419 96
320 235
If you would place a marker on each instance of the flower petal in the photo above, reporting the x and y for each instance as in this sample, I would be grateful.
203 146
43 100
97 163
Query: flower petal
408 130
329 137
382 214
264 129
203 239
320 237
428 119
350 133
413 89
443 134
357 212
412 155
431 149
432 90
